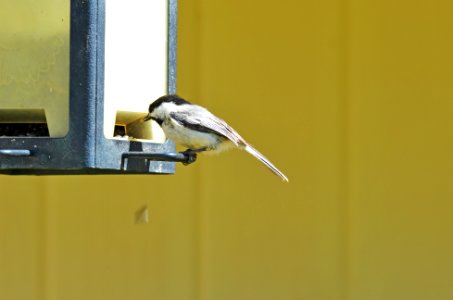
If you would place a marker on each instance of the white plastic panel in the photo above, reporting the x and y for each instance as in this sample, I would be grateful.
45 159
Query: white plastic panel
135 59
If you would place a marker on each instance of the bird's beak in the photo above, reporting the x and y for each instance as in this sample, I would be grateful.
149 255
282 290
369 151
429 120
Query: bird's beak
147 118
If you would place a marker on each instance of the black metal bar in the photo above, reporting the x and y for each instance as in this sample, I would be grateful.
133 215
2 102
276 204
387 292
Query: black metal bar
171 156
183 157
15 152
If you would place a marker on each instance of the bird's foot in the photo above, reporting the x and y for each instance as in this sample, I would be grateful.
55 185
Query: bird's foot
191 156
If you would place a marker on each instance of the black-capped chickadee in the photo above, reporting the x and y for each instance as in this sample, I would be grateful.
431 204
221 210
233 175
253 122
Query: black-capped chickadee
194 127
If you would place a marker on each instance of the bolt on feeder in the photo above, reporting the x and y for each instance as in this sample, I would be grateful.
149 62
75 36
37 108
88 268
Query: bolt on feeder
75 78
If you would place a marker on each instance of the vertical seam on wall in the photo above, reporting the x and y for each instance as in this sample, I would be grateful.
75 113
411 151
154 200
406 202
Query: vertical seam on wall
344 159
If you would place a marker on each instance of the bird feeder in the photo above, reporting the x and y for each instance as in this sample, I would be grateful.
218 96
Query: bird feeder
75 78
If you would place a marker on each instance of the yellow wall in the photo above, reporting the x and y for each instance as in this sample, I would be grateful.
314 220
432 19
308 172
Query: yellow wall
353 101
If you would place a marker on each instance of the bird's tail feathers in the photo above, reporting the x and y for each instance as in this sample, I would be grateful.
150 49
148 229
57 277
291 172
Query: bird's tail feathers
265 161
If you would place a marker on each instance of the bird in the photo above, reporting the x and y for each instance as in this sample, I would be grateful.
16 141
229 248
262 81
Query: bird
194 127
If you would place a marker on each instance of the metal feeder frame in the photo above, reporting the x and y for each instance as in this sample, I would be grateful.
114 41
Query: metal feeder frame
85 150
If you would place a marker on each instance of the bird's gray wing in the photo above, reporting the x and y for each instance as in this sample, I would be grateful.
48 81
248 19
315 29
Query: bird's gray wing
202 120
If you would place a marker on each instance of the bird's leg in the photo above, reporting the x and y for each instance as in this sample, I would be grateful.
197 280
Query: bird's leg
198 150
191 155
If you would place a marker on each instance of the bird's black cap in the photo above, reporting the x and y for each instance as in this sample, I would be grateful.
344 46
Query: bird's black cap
167 98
